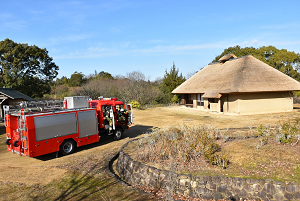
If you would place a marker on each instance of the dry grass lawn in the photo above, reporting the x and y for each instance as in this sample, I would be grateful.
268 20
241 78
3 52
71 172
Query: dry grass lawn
80 176
179 115
83 174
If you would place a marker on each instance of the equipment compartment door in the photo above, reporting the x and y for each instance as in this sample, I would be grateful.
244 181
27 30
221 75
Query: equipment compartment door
51 126
87 123
50 129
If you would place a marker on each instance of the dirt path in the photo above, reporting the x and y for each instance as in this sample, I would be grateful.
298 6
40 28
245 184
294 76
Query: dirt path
42 170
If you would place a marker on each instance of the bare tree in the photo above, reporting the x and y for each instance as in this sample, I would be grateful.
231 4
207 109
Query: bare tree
129 88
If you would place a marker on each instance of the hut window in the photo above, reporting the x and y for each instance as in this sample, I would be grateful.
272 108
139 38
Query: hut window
213 100
190 99
200 100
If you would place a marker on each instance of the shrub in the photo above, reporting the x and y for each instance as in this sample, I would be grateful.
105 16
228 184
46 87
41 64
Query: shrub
135 104
288 133
260 130
175 99
181 147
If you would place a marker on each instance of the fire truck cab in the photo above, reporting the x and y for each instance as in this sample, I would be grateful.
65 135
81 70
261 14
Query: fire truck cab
114 117
37 128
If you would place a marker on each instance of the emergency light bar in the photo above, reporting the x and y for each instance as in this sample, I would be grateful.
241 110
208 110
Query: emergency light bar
101 98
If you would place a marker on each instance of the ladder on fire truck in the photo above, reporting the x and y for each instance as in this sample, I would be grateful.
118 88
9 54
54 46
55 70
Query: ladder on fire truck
20 109
33 106
22 131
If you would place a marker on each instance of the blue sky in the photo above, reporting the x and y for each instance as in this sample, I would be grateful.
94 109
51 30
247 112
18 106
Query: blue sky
122 36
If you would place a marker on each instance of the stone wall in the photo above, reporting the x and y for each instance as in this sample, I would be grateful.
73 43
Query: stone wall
206 187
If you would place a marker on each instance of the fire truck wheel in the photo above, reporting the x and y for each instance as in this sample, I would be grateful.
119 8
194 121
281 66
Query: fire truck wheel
8 141
67 147
117 134
16 143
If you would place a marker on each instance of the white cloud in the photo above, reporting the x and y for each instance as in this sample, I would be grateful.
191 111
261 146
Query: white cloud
70 38
254 42
247 43
6 16
115 30
125 44
292 25
10 21
182 49
125 49
155 41
91 52
35 12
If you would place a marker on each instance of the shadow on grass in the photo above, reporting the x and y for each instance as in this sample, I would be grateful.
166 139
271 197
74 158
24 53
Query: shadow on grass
87 184
133 132
2 129
83 186
137 130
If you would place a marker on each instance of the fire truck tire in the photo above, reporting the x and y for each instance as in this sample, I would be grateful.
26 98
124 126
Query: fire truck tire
8 141
117 134
67 147
16 143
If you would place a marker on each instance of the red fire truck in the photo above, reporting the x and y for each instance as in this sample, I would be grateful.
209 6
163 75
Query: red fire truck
37 128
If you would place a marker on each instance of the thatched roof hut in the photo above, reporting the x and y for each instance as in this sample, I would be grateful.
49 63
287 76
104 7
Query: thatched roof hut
237 76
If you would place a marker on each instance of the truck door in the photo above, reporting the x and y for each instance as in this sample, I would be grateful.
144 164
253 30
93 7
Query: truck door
130 114
112 116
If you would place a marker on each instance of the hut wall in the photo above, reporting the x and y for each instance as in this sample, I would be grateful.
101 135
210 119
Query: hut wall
200 107
215 107
265 102
232 103
249 103
205 104
224 103
195 103
193 100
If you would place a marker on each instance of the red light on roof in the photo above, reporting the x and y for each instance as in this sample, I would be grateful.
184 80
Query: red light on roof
109 99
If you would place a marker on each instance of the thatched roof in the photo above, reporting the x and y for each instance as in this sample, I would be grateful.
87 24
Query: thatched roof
226 57
240 75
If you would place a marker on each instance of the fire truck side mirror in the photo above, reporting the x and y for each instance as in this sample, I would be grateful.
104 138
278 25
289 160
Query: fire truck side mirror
129 107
